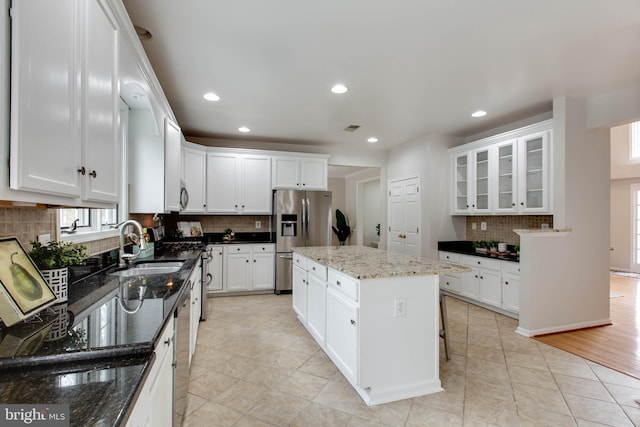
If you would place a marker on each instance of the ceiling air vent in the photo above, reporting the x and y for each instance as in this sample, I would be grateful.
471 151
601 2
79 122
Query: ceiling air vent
352 128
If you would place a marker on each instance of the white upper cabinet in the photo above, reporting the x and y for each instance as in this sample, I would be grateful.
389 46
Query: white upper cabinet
238 183
255 185
505 174
194 173
300 173
223 175
64 93
505 186
534 173
172 150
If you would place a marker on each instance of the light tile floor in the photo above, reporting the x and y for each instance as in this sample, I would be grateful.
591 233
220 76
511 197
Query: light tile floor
255 365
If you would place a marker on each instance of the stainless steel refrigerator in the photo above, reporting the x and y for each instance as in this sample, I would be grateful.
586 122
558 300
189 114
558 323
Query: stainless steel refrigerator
300 218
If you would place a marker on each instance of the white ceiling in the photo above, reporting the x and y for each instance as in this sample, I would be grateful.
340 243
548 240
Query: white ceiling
413 67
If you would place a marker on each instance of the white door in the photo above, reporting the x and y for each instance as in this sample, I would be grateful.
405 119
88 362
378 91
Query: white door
223 174
263 271
194 167
404 216
635 239
299 297
256 185
172 151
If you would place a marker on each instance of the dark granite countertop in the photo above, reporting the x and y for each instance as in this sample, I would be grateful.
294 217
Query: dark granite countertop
465 247
94 351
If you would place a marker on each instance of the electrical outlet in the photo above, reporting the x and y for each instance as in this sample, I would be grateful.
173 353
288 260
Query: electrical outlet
258 224
483 226
474 226
44 238
400 309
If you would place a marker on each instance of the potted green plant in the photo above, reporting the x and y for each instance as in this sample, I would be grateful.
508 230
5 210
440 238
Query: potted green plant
493 245
480 246
341 229
54 259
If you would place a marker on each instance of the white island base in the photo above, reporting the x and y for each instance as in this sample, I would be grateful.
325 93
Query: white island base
381 332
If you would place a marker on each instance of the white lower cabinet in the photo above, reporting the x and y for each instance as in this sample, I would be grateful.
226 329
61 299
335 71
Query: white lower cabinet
196 308
342 333
249 267
511 287
154 405
299 291
491 282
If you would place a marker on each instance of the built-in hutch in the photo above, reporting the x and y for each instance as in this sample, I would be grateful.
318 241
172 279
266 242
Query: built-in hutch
505 174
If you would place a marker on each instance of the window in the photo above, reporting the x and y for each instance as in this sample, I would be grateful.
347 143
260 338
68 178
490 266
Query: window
634 138
80 225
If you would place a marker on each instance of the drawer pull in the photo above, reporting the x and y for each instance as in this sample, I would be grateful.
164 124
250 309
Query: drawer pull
167 341
506 283
338 283
353 322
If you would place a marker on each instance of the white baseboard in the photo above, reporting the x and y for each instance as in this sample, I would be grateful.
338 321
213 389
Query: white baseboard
562 328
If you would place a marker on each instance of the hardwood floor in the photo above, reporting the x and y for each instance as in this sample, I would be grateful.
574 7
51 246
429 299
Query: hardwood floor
616 346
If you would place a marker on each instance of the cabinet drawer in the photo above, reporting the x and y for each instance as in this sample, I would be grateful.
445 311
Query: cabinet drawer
449 257
511 267
451 283
344 284
317 270
264 248
238 249
300 261
480 262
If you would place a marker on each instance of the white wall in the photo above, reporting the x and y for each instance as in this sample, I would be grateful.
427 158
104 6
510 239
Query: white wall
428 158
338 201
621 165
565 276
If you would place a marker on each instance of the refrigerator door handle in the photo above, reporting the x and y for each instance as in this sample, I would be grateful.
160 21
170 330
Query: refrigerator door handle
306 221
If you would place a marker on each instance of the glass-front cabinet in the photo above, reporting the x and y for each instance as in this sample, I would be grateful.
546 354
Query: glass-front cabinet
505 189
462 172
482 181
506 174
534 173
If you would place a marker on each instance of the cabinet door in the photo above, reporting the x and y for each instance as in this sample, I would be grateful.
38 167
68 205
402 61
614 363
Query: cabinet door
314 174
511 293
286 173
316 308
299 291
461 190
342 334
451 284
238 272
481 182
172 149
194 164
161 390
490 287
470 284
196 310
215 270
533 173
263 271
505 183
101 150
223 173
45 131
256 185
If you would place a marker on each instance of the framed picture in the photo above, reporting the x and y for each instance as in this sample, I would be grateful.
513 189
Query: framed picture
23 290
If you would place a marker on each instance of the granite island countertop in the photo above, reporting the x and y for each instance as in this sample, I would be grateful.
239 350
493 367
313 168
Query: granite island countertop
363 262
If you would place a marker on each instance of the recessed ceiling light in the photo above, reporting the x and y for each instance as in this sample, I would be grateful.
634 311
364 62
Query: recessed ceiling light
372 140
339 88
479 113
210 96
244 129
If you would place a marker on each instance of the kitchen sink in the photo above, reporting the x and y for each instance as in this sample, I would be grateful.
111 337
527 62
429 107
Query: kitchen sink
150 268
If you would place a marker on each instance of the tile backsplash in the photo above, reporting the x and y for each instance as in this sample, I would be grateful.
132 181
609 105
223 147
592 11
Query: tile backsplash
27 223
210 223
500 228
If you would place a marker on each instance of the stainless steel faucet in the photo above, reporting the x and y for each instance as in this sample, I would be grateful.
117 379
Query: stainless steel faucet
125 259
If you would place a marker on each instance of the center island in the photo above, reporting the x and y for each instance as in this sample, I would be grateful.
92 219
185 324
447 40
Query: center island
375 314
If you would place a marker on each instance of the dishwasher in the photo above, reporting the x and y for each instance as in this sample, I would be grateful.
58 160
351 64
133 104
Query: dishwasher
181 356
